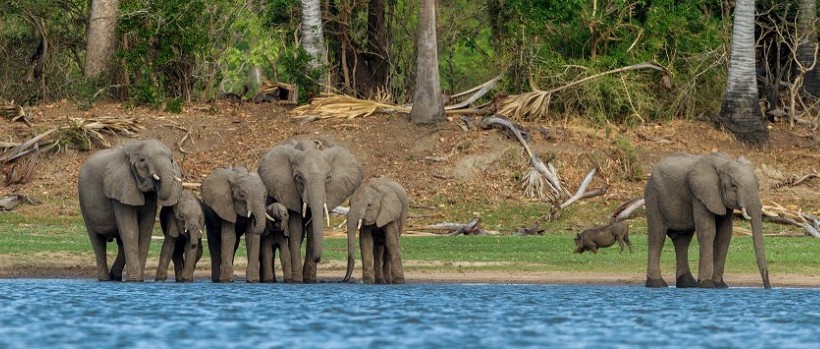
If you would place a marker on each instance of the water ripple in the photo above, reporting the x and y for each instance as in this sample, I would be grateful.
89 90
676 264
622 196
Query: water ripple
83 313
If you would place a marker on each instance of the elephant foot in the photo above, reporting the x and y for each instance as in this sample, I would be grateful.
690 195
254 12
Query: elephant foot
686 281
655 283
113 277
253 281
720 284
398 281
380 281
160 279
135 280
707 284
368 281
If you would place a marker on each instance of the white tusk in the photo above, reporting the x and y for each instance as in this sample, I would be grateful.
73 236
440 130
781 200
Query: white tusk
178 179
200 231
186 231
745 214
359 225
155 176
249 214
304 209
327 215
269 217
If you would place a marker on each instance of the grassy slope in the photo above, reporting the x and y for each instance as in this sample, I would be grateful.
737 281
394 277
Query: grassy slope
24 235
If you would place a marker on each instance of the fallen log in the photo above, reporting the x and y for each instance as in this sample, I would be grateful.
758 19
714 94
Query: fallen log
11 201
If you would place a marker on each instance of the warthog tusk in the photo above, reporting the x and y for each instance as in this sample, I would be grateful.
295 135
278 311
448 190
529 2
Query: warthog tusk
745 214
155 176
304 209
359 225
269 217
327 215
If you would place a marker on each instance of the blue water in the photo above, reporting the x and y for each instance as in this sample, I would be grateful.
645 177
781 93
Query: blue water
90 314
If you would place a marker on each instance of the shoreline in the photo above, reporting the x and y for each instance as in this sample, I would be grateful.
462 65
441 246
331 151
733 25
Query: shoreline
456 277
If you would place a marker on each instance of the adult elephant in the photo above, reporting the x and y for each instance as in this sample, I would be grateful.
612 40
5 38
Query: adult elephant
378 210
233 201
308 176
690 193
119 190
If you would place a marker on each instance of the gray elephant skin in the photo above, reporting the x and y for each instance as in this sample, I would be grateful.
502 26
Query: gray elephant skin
275 238
606 236
308 176
690 194
378 211
182 226
119 190
233 201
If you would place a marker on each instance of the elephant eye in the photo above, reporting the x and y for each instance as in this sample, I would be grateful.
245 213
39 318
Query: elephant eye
298 177
328 178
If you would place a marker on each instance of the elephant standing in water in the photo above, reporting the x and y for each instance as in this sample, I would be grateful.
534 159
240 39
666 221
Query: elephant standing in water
378 210
308 176
276 238
182 226
688 194
119 190
234 204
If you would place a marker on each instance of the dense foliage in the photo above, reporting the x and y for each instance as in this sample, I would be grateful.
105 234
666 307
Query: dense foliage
171 51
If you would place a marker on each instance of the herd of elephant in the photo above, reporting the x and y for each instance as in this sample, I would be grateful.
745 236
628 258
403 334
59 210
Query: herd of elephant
285 202
282 204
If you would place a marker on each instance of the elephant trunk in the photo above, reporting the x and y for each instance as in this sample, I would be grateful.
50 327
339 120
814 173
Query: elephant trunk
317 202
353 220
755 211
169 189
259 221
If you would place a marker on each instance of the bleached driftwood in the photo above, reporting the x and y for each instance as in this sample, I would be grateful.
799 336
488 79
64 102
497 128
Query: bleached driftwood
625 210
582 192
471 228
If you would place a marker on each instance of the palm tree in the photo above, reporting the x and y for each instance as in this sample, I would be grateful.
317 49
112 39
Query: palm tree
102 36
740 112
428 106
807 33
312 34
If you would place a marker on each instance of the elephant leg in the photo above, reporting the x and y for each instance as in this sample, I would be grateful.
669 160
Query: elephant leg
252 245
147 216
295 244
266 255
119 263
189 262
705 228
179 265
378 262
366 246
228 241
724 236
656 236
168 245
396 271
683 276
129 233
98 242
284 259
215 249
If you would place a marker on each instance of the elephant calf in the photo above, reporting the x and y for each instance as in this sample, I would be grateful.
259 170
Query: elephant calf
275 237
182 226
592 239
378 210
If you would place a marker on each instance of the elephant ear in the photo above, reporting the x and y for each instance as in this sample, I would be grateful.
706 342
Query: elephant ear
346 174
217 194
704 182
390 207
119 182
276 171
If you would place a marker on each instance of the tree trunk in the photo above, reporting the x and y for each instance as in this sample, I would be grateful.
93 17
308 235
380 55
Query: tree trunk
807 33
378 40
312 34
102 36
428 106
740 112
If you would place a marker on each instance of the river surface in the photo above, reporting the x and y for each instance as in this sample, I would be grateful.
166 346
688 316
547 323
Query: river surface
90 314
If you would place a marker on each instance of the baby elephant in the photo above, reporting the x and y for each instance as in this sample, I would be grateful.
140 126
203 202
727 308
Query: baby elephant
606 236
275 237
378 211
182 226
